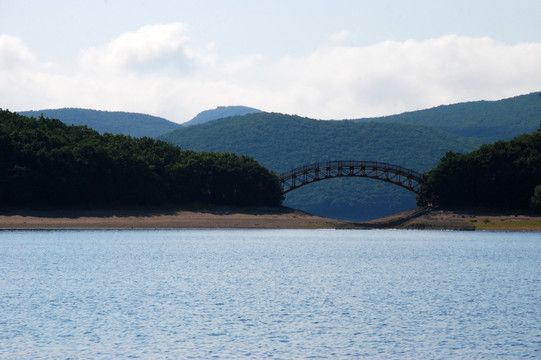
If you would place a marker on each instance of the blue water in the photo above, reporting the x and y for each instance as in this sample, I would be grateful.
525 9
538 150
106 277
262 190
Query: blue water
269 294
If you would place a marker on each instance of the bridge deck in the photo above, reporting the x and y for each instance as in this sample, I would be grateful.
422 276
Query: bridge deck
395 174
350 163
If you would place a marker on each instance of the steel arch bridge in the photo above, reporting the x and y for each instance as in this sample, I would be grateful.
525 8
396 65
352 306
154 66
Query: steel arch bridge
394 174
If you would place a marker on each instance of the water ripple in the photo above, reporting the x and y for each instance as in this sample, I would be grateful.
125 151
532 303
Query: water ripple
269 294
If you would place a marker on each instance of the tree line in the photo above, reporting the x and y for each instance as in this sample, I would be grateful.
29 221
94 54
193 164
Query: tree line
44 161
505 174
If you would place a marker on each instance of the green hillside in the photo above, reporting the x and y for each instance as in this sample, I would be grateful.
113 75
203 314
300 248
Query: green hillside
281 142
487 120
114 122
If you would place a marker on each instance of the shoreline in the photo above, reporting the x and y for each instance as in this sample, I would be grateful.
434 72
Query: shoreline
204 218
463 220
260 218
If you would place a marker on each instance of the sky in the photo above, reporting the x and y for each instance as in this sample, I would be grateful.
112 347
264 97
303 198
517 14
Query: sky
335 59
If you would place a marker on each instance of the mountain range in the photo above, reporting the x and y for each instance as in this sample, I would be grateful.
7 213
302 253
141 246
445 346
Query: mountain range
114 122
416 140
220 112
486 120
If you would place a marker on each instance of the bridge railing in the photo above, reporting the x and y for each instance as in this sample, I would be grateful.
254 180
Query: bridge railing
351 163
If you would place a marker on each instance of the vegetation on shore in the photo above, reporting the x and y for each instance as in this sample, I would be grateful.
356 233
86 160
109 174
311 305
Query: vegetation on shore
44 161
504 175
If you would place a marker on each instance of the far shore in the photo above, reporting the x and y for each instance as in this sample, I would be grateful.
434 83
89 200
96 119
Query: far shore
260 218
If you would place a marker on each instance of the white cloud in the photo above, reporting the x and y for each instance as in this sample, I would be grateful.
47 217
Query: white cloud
391 77
340 36
147 44
13 52
160 70
23 79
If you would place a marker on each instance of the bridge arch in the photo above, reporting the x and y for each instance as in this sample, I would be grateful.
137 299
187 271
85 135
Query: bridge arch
394 174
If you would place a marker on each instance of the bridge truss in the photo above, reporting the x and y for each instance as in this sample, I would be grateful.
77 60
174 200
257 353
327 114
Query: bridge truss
394 174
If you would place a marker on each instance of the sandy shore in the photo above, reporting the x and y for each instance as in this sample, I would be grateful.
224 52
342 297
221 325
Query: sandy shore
261 218
219 218
467 219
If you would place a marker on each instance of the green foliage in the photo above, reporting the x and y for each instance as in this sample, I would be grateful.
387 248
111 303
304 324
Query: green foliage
501 175
486 120
281 142
535 201
44 161
114 122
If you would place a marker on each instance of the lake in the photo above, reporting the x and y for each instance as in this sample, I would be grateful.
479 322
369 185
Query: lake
278 294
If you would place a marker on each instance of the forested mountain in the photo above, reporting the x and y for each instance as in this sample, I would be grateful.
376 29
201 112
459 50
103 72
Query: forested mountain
486 120
46 162
499 175
220 112
114 122
281 142
415 139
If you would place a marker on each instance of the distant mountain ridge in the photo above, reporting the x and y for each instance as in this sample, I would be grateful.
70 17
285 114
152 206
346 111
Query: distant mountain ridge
114 122
487 120
220 112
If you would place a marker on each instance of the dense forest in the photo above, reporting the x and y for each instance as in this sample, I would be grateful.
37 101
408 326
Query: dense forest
281 142
44 161
499 175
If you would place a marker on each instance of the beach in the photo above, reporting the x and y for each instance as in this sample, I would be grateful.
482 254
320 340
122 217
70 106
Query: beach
215 218
461 219
261 218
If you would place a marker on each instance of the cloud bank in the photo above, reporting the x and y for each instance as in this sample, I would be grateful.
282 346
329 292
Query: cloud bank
161 70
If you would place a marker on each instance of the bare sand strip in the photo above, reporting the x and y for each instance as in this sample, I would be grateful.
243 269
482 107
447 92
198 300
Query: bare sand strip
261 218
219 218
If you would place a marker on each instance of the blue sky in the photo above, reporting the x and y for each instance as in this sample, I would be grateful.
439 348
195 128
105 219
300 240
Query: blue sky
323 59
